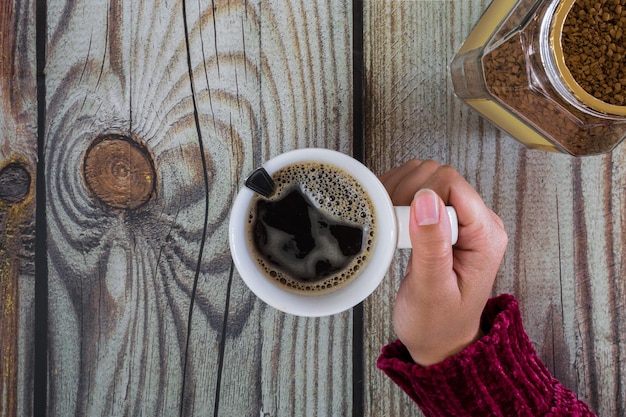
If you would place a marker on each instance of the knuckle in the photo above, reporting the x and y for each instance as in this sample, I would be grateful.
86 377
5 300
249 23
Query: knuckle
430 164
498 239
414 163
448 171
500 236
433 254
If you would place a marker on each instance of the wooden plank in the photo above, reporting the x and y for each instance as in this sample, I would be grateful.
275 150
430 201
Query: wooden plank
294 84
407 107
564 216
18 165
144 99
132 217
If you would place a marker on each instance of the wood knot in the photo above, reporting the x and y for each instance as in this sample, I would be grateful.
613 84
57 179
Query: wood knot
14 183
120 172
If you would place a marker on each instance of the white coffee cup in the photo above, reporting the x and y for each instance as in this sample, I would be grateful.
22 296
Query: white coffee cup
392 224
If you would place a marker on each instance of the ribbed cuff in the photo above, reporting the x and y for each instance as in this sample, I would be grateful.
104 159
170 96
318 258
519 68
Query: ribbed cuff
499 375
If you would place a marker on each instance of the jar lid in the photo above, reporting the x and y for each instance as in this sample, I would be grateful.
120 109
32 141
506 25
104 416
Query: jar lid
579 92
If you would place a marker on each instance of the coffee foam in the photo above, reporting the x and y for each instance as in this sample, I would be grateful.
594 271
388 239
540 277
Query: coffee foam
334 191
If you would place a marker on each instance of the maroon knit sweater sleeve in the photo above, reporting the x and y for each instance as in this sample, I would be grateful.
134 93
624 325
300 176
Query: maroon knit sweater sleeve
499 375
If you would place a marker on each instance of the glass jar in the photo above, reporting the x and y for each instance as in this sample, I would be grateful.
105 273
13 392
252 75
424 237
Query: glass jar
549 72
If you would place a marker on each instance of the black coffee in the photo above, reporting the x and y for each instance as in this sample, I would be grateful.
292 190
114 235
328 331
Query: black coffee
315 233
302 240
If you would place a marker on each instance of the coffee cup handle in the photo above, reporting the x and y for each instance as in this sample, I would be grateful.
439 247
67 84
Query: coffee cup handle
402 215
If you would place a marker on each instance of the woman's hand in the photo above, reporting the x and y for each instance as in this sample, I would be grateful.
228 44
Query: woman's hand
441 299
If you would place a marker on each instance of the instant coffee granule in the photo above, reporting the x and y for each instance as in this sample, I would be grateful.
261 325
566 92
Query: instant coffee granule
506 76
594 48
516 77
550 73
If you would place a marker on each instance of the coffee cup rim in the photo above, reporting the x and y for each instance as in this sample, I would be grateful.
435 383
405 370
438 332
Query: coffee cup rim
359 288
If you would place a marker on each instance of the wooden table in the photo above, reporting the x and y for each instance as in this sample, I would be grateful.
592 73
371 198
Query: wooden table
126 128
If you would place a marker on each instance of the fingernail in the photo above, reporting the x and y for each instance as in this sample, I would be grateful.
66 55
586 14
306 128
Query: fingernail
426 207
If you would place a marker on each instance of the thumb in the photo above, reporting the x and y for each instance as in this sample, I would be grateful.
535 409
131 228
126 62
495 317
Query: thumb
429 227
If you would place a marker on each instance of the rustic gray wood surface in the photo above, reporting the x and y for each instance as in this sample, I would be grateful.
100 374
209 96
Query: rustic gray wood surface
18 168
566 259
156 111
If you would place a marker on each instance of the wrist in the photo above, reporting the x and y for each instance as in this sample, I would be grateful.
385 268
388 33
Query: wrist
503 361
427 356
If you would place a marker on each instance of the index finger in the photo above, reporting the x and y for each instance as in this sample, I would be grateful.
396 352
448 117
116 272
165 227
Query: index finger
454 190
403 182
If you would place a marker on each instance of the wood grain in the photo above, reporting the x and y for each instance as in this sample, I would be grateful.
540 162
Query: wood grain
294 83
18 156
147 315
122 279
564 216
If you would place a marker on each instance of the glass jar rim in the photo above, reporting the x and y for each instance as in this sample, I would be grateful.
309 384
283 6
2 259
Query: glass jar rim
556 51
